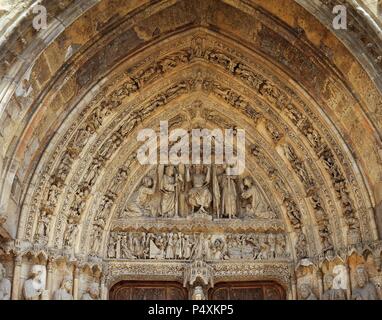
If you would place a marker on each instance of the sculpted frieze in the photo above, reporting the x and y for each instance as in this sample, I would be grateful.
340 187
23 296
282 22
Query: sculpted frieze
194 224
260 270
196 246
118 270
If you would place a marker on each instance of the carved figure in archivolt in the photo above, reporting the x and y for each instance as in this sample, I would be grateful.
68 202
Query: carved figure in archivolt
52 197
301 246
43 227
93 170
299 168
96 237
82 137
71 232
120 178
79 201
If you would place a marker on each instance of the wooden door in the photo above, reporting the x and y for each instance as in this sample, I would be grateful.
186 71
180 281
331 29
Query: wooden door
247 291
136 290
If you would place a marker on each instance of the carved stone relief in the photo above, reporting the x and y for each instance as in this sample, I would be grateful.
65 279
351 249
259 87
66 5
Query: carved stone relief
34 286
174 196
5 285
197 191
196 246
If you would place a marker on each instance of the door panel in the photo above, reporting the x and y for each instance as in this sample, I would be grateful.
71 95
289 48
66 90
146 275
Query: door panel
134 290
247 291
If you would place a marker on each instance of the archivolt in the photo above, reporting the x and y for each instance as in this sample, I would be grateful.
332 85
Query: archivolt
273 79
250 91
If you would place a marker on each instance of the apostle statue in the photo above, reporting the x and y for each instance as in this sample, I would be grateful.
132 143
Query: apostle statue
306 292
331 293
92 293
34 286
5 285
65 290
364 290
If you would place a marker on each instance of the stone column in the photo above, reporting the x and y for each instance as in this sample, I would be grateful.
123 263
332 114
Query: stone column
349 289
103 295
16 277
319 276
77 273
49 277
378 207
293 285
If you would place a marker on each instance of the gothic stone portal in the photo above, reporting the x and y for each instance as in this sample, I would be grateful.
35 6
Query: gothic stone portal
135 290
79 213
